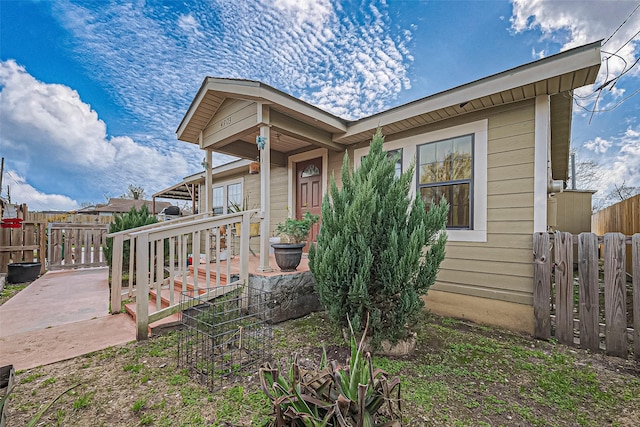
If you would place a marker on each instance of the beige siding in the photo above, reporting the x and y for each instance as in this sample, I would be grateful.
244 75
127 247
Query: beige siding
501 268
233 117
574 211
279 191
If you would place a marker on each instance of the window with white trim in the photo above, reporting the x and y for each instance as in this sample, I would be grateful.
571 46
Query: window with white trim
445 170
476 220
225 195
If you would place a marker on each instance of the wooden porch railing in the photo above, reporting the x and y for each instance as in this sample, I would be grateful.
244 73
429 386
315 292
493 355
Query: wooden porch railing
575 303
159 253
76 245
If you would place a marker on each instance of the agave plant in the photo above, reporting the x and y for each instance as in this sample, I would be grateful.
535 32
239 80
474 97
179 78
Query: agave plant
354 395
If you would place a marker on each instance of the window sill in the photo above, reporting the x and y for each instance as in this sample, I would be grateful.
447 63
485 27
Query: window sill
467 236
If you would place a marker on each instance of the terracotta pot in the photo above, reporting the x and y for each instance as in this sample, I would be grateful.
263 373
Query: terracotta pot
254 168
288 255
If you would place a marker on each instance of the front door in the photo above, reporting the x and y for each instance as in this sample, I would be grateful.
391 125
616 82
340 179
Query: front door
309 193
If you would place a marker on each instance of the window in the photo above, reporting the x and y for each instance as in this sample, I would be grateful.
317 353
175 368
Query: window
391 154
446 171
234 196
218 200
309 171
225 195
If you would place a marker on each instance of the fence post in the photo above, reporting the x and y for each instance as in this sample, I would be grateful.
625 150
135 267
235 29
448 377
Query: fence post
615 307
541 285
635 256
42 240
589 291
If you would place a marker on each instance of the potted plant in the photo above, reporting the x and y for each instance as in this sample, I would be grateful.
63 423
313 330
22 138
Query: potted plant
293 235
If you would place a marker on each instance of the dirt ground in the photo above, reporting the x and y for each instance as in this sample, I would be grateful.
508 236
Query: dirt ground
461 374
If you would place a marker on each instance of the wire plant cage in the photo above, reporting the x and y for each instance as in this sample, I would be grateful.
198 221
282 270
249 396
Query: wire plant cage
227 337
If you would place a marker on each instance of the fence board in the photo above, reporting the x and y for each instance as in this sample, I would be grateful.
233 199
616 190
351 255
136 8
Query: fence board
615 306
76 245
635 244
589 303
542 286
563 251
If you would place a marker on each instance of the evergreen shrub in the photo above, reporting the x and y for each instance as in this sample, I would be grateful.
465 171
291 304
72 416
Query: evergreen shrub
379 249
126 221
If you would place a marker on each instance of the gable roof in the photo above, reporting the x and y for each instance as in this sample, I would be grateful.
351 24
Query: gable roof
309 126
119 205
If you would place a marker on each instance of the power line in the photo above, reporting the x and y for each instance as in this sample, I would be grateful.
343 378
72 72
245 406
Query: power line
620 26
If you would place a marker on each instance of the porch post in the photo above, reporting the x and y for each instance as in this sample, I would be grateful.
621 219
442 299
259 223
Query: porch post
208 181
265 199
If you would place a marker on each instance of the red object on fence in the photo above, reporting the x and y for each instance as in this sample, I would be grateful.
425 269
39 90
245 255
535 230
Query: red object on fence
11 223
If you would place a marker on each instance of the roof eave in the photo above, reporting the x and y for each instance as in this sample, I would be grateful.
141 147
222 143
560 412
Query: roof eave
583 57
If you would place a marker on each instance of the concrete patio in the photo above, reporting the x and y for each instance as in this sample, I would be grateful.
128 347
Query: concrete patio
61 315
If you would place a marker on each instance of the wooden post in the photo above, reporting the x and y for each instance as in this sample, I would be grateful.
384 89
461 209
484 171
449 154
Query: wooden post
244 259
265 190
142 286
589 289
615 306
116 273
541 285
635 256
563 248
42 239
29 240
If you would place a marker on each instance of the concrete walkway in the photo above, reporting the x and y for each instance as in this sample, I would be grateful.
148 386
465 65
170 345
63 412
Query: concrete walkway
59 316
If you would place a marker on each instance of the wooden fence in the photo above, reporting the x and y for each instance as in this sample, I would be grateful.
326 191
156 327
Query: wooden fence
24 244
623 217
597 302
76 245
69 218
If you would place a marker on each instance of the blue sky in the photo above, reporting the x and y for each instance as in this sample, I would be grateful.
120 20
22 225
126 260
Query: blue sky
93 91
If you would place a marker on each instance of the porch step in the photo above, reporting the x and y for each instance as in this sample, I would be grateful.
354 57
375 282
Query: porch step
155 327
165 294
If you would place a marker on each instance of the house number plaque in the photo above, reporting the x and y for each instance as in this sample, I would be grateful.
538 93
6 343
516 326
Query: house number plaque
225 122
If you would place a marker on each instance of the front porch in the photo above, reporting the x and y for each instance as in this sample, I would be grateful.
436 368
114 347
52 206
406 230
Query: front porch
203 255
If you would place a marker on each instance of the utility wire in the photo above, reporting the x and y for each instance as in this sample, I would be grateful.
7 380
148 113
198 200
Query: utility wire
620 26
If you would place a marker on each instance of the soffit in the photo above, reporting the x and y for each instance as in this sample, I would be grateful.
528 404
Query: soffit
556 74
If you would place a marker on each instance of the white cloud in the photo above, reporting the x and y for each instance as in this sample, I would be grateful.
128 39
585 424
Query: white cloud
300 47
56 140
190 25
598 145
575 23
23 192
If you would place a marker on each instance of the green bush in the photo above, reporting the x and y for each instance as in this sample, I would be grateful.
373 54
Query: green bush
132 219
379 249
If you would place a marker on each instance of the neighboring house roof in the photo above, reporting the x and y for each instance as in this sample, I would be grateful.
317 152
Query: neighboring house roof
184 190
118 205
297 125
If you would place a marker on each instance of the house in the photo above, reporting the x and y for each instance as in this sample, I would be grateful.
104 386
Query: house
120 206
510 133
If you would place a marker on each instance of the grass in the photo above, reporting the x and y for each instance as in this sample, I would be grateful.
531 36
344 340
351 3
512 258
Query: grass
10 290
461 375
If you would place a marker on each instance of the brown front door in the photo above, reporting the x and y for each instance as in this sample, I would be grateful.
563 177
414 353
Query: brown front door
309 192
